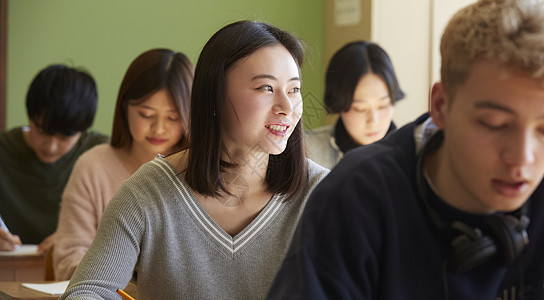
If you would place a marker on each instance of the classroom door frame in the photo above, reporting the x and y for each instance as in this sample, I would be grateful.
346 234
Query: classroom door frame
3 61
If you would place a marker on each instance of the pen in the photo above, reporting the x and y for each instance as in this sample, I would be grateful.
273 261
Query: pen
124 295
3 225
5 228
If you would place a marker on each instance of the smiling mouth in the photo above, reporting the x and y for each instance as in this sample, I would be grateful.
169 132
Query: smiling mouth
279 128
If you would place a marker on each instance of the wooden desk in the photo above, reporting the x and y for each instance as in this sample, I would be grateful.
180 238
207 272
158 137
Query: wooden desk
22 267
13 290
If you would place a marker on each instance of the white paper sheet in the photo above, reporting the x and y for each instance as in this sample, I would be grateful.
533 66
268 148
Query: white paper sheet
26 249
53 288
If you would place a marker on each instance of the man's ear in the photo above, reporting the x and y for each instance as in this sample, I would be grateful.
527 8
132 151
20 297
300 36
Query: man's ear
439 104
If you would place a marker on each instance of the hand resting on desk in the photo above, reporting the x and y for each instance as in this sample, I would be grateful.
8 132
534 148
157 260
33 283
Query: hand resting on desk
46 244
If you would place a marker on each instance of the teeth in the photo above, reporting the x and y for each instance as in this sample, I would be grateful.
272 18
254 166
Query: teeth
277 127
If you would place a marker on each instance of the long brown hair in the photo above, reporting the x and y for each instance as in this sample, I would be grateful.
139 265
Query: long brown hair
150 72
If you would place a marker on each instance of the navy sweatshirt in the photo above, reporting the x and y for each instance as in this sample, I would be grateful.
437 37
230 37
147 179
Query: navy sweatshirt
366 235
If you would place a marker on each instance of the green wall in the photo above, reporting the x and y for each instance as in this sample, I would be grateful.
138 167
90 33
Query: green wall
104 36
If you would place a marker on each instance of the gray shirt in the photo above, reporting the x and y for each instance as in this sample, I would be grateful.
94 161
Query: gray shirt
156 227
321 147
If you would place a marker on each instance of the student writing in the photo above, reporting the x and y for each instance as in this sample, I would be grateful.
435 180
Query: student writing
151 117
36 160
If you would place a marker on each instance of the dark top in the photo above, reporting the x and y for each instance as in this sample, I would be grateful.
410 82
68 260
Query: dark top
30 190
365 235
344 140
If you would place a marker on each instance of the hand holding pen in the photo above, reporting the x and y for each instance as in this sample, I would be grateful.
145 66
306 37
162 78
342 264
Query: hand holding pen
8 241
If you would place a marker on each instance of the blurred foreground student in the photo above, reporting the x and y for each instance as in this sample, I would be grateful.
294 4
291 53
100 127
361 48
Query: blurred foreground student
360 86
214 221
36 160
449 207
151 117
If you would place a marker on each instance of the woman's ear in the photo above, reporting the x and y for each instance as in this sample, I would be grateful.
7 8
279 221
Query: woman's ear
439 103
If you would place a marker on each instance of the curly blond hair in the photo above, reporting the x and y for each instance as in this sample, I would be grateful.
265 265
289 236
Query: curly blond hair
504 31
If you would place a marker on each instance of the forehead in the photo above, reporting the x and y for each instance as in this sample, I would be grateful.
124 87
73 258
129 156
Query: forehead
269 59
371 88
504 84
160 100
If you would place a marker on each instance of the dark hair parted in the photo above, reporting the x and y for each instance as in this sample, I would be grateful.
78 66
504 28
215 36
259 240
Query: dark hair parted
62 100
287 172
346 68
150 72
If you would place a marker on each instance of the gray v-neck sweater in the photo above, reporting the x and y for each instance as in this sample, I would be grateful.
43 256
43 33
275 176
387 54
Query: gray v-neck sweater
156 227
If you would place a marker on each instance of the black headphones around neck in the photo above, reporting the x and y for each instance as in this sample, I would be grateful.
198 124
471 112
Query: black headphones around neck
470 247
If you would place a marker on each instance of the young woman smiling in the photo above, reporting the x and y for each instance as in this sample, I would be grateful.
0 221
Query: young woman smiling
214 221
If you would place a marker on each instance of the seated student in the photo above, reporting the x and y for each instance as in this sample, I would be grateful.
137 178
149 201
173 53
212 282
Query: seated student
151 117
214 221
36 161
362 87
449 221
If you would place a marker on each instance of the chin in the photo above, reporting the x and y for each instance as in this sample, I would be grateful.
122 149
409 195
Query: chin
49 160
366 142
278 149
276 152
510 206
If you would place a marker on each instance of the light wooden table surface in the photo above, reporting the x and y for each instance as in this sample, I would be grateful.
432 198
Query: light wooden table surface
13 290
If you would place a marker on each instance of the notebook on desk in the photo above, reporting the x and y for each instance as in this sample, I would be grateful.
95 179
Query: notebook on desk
51 288
25 249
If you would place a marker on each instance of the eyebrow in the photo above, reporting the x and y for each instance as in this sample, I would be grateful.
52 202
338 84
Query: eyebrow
487 104
149 107
364 100
274 78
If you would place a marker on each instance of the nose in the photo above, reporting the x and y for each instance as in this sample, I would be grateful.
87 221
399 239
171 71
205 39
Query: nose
51 145
373 116
520 150
158 126
283 105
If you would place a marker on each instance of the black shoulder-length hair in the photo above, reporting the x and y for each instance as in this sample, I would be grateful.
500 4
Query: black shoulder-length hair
346 68
287 172
150 72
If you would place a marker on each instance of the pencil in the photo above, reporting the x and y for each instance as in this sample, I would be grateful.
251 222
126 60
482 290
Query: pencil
124 295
